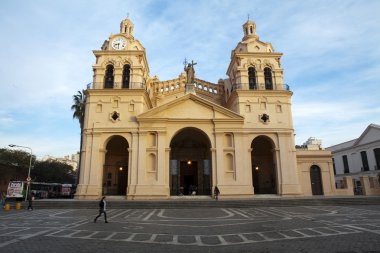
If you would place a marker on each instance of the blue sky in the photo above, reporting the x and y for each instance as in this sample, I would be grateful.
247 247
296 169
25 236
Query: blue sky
331 59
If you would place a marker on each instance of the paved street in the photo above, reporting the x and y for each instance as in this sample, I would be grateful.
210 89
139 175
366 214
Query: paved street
262 229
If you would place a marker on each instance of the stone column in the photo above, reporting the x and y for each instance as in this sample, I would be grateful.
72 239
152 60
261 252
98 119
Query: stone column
289 172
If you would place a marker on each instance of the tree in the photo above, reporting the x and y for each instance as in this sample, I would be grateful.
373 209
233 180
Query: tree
79 104
79 107
51 171
14 165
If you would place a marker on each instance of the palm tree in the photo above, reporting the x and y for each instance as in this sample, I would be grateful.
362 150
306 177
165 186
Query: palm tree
79 105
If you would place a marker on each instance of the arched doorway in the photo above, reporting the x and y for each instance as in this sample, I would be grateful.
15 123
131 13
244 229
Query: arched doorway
115 172
264 176
316 180
190 163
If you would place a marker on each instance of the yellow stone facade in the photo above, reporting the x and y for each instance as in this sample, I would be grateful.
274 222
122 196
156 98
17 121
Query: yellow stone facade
144 138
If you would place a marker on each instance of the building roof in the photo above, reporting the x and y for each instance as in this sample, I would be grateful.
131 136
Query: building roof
358 141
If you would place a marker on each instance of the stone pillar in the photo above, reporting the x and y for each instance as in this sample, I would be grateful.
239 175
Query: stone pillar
214 168
289 172
133 165
348 184
366 187
118 76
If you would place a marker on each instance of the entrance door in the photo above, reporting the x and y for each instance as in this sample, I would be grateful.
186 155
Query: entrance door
263 168
188 177
190 163
123 179
115 172
316 180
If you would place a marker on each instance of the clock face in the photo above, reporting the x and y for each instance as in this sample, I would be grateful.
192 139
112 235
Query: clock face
119 43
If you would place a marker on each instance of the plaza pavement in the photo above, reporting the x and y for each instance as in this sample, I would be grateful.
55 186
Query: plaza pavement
340 229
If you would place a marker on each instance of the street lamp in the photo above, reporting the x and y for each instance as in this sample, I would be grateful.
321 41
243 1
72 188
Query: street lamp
30 166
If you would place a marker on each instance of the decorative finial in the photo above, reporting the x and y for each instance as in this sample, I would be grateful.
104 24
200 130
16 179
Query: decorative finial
248 16
128 15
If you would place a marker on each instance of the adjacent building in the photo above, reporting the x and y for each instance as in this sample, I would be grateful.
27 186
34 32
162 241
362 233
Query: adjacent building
359 157
72 160
146 138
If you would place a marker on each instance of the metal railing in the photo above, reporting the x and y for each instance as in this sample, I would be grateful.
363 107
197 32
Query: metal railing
258 86
117 85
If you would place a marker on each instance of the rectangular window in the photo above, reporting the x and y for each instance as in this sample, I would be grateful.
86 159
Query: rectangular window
334 166
364 160
376 151
345 164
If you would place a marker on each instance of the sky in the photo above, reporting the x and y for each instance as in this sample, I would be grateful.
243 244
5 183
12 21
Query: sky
331 59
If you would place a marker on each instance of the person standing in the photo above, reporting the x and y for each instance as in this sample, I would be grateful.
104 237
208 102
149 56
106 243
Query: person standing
30 201
216 192
2 200
102 209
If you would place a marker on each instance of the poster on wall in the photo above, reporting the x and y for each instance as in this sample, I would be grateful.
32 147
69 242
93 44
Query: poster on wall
173 167
206 167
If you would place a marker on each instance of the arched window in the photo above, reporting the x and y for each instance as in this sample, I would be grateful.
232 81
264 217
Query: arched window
126 76
268 79
252 78
108 78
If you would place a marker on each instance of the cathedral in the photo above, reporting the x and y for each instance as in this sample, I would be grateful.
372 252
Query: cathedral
146 138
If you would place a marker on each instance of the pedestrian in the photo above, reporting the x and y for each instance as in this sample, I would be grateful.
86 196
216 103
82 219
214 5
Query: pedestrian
30 201
216 192
102 209
2 200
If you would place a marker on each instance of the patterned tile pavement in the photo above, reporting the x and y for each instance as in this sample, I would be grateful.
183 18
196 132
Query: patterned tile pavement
263 229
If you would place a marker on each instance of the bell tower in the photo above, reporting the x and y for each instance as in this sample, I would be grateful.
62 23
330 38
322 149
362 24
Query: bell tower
126 28
255 89
121 63
249 29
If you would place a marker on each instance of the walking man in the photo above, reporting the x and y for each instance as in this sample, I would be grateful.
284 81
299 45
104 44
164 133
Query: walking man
102 209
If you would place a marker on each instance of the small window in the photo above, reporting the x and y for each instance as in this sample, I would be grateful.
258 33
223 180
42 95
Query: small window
251 29
345 164
376 152
363 154
333 160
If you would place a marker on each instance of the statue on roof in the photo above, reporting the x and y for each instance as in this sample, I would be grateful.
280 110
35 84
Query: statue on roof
190 72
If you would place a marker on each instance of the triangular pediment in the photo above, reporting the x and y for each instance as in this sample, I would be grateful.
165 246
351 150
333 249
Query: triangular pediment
371 134
190 107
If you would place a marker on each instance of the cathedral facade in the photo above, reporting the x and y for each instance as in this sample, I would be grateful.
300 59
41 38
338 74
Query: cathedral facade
144 138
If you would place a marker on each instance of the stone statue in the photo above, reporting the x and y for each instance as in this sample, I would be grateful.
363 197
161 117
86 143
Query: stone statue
190 72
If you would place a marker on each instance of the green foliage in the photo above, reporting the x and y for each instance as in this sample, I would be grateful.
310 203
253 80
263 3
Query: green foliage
53 172
14 164
79 103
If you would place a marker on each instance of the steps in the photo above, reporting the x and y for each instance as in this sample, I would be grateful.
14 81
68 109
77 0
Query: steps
204 203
